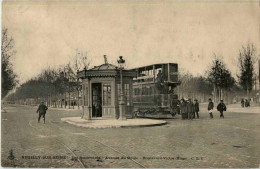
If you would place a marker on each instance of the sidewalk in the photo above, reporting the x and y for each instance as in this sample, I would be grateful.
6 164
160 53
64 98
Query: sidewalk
238 109
112 123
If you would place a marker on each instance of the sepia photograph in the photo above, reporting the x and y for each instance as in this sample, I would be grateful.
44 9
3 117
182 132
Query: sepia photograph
130 84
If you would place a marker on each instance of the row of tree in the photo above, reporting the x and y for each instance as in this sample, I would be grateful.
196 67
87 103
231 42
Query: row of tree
50 82
218 79
55 81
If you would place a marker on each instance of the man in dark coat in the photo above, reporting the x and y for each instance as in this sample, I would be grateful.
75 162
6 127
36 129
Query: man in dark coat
221 107
190 109
210 108
246 103
196 108
242 103
42 111
183 108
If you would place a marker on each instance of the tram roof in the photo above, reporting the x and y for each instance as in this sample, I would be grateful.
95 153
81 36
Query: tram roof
157 65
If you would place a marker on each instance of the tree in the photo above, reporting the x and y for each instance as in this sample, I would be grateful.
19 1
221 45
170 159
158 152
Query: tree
193 86
246 58
220 77
79 62
9 80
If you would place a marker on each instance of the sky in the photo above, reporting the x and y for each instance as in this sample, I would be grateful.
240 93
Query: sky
48 33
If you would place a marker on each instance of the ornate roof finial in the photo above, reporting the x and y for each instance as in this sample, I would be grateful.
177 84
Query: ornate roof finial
105 58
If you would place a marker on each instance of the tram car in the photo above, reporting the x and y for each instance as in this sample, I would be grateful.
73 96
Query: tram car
153 90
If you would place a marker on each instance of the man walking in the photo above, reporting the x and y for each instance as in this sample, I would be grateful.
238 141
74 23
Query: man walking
221 107
42 111
242 103
210 108
196 108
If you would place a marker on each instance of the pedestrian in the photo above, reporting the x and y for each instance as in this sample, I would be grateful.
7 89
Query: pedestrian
183 108
242 103
246 103
210 108
221 107
190 109
196 108
42 111
178 107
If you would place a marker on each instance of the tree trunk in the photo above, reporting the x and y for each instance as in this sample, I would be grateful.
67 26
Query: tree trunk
214 97
247 93
221 94
78 92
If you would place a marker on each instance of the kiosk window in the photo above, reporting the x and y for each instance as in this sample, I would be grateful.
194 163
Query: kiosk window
106 94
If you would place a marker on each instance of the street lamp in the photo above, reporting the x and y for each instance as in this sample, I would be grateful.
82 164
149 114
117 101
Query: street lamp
121 63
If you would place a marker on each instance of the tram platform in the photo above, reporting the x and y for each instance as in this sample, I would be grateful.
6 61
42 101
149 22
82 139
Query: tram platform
112 123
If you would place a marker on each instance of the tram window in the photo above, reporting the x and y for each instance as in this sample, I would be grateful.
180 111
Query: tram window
137 91
106 94
145 91
150 72
151 90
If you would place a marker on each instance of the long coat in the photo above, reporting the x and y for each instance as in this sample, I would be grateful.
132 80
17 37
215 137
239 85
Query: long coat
183 107
42 109
196 107
211 106
221 107
190 107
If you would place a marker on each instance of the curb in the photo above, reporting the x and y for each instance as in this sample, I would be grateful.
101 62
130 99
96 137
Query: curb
114 126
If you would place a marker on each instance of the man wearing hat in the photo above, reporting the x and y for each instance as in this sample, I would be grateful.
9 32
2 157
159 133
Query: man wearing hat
210 108
190 109
196 108
183 108
221 107
42 111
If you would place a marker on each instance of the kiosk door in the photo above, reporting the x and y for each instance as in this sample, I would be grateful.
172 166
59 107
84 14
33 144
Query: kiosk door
96 100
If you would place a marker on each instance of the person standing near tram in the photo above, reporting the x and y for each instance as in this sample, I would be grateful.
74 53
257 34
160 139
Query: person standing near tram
190 109
196 108
183 109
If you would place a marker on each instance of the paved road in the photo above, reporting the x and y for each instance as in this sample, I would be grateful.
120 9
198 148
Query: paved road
230 142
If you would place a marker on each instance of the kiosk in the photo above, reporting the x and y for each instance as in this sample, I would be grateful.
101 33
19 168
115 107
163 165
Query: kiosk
101 87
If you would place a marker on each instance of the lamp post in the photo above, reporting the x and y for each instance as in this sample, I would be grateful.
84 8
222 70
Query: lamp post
121 63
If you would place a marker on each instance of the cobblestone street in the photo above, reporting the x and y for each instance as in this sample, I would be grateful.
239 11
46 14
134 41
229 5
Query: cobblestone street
232 142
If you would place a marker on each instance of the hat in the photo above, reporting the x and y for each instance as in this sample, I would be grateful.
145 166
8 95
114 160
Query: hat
195 100
42 101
